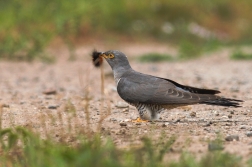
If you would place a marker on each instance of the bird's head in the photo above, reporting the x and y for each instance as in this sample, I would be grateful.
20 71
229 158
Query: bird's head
116 59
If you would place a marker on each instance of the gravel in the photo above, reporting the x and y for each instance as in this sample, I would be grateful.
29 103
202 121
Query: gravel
79 80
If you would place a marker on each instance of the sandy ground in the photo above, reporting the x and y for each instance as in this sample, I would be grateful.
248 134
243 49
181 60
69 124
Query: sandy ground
78 85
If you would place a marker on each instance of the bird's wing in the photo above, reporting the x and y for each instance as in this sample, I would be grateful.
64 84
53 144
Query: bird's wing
136 87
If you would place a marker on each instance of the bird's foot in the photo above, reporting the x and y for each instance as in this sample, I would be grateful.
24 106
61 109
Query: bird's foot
139 120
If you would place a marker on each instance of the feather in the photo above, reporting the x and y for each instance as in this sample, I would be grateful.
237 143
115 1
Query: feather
193 89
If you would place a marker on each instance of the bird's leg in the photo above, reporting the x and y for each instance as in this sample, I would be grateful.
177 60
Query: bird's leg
139 120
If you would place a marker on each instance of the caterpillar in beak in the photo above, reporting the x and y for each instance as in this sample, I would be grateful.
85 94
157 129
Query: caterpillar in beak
96 58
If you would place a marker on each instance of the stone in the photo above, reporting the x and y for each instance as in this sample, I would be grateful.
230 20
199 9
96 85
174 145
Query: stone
224 117
53 107
243 127
50 92
249 134
113 119
216 113
121 104
123 124
126 110
193 114
5 105
207 124
165 124
232 138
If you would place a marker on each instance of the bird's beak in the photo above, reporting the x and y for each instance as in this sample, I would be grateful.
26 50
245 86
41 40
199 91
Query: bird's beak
109 56
103 55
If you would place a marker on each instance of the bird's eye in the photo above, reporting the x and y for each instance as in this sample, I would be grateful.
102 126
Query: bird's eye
111 56
107 56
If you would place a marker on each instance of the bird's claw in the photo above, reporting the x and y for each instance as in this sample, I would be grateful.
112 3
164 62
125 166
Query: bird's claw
139 120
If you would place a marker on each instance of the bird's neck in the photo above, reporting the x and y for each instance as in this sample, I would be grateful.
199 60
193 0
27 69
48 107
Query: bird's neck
119 72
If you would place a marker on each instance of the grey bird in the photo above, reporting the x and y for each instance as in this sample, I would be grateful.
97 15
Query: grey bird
151 94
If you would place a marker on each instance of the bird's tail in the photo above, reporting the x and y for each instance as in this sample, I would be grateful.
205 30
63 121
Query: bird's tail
224 102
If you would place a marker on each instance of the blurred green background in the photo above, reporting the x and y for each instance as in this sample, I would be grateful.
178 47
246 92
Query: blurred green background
28 27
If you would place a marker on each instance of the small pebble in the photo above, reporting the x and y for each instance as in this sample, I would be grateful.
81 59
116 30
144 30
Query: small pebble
121 104
231 112
208 130
53 107
123 124
113 119
216 113
193 114
232 138
178 120
121 131
249 134
207 124
224 117
228 124
50 92
229 116
5 105
165 124
126 110
243 127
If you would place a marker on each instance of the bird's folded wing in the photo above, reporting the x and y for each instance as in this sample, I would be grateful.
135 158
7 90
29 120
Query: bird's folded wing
153 90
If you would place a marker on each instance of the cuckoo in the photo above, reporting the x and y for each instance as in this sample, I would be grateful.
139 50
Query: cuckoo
152 94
